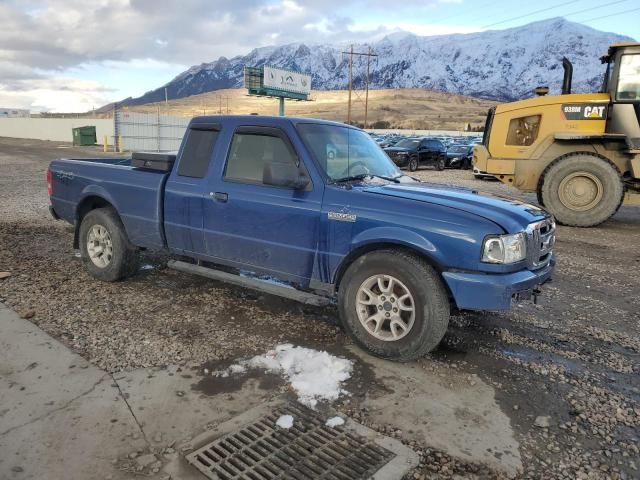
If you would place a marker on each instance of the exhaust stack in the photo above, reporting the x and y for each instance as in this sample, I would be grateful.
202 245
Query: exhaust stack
568 76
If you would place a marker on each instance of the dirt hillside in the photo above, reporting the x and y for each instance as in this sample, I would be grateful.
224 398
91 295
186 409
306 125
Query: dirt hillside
399 108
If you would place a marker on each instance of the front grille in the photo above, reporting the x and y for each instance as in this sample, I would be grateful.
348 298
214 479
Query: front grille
541 237
397 157
308 450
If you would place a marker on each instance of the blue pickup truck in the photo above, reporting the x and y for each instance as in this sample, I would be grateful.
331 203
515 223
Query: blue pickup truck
311 210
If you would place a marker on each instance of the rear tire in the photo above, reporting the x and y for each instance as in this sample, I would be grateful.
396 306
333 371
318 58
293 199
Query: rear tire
441 164
423 325
105 249
413 164
581 189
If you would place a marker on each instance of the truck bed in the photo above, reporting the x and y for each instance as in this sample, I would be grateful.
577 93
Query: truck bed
135 193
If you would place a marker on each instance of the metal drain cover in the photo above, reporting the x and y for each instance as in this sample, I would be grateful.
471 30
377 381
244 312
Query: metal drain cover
252 447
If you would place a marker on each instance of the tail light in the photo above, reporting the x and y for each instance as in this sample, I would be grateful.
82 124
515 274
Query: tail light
49 182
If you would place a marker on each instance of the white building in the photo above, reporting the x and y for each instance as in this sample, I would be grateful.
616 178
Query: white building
14 113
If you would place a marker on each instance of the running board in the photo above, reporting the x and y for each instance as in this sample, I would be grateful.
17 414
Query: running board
252 283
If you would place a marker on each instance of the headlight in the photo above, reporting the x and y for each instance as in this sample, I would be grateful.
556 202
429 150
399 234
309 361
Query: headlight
505 249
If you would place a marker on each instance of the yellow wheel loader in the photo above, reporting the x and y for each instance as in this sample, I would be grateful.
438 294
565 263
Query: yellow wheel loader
579 152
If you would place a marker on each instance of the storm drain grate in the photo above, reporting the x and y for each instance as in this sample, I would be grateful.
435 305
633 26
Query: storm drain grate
310 449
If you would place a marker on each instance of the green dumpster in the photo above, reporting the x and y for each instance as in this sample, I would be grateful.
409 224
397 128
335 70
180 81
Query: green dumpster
85 135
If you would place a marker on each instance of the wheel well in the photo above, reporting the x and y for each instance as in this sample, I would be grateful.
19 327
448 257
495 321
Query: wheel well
88 204
566 155
358 252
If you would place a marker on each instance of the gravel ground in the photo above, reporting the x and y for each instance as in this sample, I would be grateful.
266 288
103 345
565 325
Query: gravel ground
565 370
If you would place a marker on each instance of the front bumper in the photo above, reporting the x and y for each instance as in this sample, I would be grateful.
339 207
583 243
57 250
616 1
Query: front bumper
479 291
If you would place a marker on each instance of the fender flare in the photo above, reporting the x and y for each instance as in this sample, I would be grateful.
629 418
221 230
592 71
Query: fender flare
386 237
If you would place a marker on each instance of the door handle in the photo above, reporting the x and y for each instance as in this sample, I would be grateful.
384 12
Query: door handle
220 196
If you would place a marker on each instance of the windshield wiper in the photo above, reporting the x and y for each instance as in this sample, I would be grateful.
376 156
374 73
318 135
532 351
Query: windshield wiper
362 176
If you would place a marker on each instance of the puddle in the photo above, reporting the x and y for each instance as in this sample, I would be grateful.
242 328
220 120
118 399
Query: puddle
211 385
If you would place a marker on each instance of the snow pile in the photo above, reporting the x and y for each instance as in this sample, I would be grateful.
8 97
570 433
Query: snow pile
334 422
313 374
285 421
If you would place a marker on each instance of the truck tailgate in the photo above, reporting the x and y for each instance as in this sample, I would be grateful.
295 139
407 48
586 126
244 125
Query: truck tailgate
136 194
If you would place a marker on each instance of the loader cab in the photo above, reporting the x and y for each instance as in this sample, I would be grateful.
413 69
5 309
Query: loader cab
622 83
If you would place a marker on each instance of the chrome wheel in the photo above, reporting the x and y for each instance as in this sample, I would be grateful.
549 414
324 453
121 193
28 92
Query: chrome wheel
385 307
99 246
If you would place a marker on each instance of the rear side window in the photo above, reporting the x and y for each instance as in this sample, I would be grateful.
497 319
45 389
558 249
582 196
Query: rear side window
250 153
197 153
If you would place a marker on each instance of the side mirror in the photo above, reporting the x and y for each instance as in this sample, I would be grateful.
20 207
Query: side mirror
284 174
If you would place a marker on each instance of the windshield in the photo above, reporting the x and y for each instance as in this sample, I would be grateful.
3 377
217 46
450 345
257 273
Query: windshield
407 143
629 78
344 152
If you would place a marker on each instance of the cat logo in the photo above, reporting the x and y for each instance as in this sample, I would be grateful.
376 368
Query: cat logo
594 112
584 111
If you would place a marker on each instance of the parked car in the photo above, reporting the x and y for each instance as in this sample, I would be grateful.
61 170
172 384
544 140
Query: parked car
320 210
460 156
413 152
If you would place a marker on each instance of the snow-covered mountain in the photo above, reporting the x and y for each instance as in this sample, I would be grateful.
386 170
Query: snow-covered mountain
498 64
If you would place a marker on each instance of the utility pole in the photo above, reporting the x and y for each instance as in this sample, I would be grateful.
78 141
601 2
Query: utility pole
350 83
166 97
369 56
366 95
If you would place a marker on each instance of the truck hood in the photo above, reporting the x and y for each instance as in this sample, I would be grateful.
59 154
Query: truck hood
510 214
398 149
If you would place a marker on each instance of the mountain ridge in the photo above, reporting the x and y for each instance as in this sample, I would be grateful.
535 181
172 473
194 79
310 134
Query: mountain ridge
502 65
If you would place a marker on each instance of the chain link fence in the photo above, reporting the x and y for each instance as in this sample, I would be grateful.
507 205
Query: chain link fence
136 131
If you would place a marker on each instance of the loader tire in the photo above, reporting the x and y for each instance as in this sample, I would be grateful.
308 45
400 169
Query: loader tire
581 189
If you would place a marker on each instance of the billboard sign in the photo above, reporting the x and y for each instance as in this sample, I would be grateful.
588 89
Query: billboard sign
287 80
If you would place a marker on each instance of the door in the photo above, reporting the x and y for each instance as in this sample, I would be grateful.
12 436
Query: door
423 153
253 225
184 191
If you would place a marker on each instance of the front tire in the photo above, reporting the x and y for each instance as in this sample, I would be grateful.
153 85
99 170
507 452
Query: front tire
413 164
104 247
441 164
581 189
394 305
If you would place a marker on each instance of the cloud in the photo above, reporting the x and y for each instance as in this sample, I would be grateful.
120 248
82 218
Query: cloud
45 40
55 94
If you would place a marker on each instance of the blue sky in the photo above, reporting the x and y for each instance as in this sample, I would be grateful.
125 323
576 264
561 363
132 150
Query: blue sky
61 55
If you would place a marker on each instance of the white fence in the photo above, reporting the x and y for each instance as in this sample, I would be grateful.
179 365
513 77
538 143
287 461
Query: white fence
136 131
149 131
54 129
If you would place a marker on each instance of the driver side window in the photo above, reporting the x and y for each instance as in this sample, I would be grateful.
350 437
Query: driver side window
250 152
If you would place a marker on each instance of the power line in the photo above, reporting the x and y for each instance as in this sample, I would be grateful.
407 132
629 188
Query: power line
532 13
595 8
611 15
